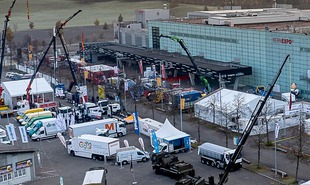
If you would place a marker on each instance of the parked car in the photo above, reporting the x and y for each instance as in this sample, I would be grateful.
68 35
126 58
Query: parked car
10 74
17 77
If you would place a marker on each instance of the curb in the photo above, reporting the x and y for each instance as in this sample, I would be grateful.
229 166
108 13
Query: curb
266 176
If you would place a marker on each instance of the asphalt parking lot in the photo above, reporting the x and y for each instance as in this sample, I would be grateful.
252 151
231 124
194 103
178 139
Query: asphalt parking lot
56 163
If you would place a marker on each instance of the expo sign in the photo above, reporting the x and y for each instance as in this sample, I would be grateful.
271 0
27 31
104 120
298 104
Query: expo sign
283 41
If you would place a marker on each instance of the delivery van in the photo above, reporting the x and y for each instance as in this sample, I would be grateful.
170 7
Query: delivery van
131 153
31 123
36 114
24 114
45 129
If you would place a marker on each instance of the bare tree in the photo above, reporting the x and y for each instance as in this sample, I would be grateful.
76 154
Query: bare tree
238 103
297 148
225 117
258 140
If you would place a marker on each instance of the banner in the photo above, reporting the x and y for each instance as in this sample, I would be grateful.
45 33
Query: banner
126 86
154 141
60 123
163 71
101 92
23 134
115 69
182 103
141 67
11 132
158 82
136 119
276 131
23 164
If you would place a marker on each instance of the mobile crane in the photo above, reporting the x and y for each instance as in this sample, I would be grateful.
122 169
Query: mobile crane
257 111
182 44
57 32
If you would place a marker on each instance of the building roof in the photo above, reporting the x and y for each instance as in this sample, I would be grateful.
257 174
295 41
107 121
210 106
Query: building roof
18 87
11 149
271 19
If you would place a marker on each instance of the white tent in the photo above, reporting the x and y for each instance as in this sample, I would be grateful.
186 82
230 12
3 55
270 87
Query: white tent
16 89
220 107
169 132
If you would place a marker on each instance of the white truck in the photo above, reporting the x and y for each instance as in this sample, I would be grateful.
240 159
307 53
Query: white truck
115 127
94 147
217 156
131 153
148 124
47 129
3 137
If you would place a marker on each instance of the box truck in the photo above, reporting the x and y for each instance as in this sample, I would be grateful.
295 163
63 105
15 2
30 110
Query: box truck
116 128
47 129
91 146
148 124
131 153
217 156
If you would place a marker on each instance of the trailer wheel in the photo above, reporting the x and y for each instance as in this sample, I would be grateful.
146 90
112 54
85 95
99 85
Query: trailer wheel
72 153
213 164
203 161
94 157
218 165
157 171
119 134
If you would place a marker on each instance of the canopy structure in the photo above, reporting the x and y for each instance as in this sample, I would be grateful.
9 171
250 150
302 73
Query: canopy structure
169 132
130 119
18 87
13 90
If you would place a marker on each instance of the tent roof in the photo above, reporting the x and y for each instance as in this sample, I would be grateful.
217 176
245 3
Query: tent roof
169 132
130 119
18 87
227 96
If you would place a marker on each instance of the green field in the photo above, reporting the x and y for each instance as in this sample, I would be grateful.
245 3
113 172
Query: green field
45 13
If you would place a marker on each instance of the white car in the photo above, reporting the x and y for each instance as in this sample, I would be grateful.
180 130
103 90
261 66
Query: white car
11 74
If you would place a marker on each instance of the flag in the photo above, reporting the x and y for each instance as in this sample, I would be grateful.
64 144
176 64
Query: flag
141 143
23 134
158 82
11 132
154 141
276 131
182 103
72 119
28 11
62 139
136 119
290 103
141 67
115 69
126 143
163 72
60 123
126 86
83 42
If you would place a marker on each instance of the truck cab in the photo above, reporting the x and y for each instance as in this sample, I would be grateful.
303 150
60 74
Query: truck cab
3 137
113 109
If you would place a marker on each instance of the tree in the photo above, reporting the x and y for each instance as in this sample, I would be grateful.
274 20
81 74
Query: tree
9 35
258 140
298 147
96 22
15 27
105 26
173 3
120 18
31 25
238 103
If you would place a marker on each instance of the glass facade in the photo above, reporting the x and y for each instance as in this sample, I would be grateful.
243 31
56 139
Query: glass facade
263 50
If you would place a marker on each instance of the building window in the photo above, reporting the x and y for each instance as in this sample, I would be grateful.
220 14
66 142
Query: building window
5 177
155 37
20 173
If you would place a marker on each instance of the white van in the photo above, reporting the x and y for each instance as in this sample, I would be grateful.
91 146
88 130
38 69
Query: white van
131 153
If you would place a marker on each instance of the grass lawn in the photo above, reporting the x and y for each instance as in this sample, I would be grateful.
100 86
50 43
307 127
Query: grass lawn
45 13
